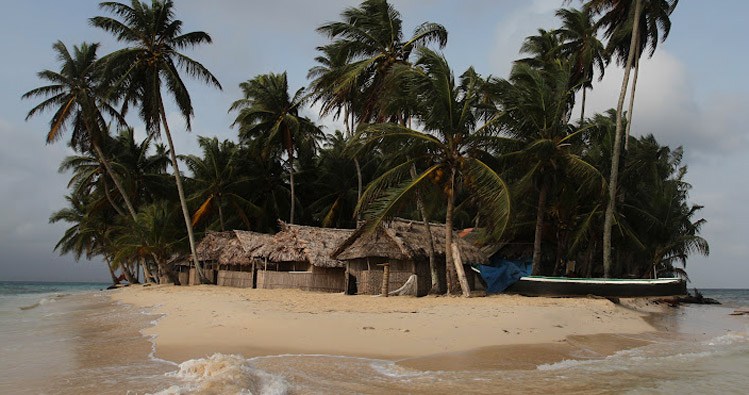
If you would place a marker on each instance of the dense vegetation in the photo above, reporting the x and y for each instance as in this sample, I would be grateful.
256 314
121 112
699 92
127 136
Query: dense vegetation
506 156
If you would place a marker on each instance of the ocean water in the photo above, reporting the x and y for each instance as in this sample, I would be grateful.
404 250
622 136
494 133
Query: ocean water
71 339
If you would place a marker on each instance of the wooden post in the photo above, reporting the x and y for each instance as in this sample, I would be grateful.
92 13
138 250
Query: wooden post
460 271
385 279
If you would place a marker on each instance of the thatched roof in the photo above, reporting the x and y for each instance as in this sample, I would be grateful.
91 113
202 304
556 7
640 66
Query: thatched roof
295 243
213 244
402 239
236 247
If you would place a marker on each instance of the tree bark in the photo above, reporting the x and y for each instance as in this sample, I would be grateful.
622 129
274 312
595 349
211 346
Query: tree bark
220 213
110 200
115 179
291 182
616 153
540 210
632 96
181 191
459 269
436 289
115 281
146 272
452 277
582 107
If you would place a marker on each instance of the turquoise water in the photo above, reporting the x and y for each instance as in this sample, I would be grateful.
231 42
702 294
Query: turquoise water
63 338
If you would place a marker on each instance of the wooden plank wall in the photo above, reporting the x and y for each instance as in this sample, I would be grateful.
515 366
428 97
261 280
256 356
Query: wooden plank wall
332 281
369 282
230 278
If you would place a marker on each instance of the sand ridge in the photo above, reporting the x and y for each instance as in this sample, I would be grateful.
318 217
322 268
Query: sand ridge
205 319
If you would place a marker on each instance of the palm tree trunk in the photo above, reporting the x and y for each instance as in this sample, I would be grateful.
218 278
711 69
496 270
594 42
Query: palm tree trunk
220 214
291 182
582 107
128 274
632 96
146 272
110 200
609 216
432 260
452 276
540 210
181 191
115 281
115 179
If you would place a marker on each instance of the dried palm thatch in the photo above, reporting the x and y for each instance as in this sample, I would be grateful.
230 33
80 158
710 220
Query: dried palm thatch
235 247
295 243
213 244
404 240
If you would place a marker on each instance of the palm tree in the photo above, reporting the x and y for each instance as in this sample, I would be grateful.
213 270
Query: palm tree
78 98
217 181
617 17
267 113
368 42
153 60
454 142
535 105
581 45
544 48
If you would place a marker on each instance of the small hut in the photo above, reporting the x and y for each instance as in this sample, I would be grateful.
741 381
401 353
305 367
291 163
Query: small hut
236 263
404 245
299 257
227 257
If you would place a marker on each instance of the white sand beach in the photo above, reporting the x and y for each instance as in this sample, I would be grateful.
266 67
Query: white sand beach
202 320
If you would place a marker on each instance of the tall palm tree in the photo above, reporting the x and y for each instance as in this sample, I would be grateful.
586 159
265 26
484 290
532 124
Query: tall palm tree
535 106
151 61
269 114
457 144
77 95
544 49
581 45
217 181
618 17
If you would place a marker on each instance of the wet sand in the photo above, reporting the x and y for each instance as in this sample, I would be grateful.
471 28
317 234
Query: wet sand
431 333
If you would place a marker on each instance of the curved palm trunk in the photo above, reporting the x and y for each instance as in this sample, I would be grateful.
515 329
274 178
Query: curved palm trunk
110 200
609 216
148 278
115 280
540 209
181 191
632 96
436 289
115 179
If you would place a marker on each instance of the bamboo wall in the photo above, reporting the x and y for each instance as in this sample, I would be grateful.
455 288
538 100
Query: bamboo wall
325 280
210 274
231 278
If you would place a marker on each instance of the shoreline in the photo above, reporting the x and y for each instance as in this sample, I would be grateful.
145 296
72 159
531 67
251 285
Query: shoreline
429 333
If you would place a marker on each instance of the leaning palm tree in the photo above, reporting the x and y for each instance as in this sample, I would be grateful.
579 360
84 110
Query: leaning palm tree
581 45
268 113
455 144
619 15
151 61
79 101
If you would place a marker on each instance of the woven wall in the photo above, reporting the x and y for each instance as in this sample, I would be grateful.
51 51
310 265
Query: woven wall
210 274
331 280
230 278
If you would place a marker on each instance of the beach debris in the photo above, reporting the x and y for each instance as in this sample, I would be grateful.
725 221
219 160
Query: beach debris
367 327
740 312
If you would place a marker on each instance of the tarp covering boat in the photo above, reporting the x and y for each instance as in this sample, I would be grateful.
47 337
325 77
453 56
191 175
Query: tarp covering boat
502 273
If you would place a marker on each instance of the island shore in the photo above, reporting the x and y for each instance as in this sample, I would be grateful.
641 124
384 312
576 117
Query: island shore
429 333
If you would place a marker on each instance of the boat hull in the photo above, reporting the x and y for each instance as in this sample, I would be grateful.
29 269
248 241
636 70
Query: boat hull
553 286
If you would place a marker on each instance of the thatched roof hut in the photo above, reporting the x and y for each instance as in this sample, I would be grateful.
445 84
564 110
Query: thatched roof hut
235 247
403 240
296 243
213 245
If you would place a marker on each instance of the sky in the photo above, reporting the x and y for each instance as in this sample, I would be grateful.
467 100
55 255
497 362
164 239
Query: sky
694 92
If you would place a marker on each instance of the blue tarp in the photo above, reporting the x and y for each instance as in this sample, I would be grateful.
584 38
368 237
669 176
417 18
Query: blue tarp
502 273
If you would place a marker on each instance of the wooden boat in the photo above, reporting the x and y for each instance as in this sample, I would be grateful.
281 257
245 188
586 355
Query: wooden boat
607 287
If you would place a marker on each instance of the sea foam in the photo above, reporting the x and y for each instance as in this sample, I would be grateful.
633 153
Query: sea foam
224 374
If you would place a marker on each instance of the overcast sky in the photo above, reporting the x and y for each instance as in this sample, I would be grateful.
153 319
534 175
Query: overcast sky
694 92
